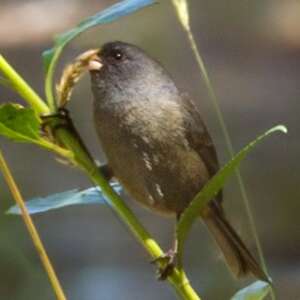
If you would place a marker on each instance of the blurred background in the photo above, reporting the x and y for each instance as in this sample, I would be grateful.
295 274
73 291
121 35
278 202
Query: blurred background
252 52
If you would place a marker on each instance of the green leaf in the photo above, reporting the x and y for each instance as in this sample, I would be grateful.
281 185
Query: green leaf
112 13
22 124
19 123
212 188
255 291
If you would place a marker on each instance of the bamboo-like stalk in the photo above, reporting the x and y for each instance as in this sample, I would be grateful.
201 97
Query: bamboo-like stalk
31 229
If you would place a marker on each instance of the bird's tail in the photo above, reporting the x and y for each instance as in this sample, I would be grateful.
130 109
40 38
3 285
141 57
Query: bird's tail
238 258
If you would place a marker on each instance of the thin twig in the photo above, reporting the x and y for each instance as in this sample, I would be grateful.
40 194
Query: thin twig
181 8
230 150
32 230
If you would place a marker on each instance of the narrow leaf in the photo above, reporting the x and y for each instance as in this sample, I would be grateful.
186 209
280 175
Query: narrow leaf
212 188
112 13
255 291
91 195
108 15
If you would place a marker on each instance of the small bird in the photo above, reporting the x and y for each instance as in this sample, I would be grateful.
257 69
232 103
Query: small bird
157 145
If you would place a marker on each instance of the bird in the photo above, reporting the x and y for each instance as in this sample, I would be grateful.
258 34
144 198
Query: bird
158 147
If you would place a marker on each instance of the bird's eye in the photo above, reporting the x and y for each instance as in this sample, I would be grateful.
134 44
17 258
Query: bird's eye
118 55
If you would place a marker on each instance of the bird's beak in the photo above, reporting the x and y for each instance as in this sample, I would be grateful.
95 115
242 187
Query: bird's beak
95 63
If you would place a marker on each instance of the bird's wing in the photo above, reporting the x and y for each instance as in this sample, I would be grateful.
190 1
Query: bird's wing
200 140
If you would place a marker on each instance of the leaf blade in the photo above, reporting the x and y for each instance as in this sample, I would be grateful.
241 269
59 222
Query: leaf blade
22 124
211 189
112 13
19 123
56 201
108 15
255 291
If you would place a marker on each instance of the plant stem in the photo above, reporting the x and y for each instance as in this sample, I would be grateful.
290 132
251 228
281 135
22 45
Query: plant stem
181 8
32 230
178 278
230 149
25 91
49 81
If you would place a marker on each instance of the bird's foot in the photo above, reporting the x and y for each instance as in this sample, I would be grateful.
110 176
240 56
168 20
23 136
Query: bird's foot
61 120
167 264
56 120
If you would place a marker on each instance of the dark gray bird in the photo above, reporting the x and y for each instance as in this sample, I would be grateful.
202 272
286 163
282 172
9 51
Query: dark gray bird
157 145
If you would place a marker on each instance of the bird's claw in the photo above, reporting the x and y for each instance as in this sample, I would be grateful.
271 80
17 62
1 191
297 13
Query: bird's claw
61 117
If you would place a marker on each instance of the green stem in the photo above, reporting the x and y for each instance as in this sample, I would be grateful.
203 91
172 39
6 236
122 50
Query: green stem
178 278
230 149
49 81
25 91
182 13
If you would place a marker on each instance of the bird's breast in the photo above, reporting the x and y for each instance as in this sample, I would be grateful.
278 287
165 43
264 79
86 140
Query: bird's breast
146 147
155 121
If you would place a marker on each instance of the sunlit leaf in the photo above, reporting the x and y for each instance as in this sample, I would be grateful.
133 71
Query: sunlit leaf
19 123
212 188
255 291
22 124
73 197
